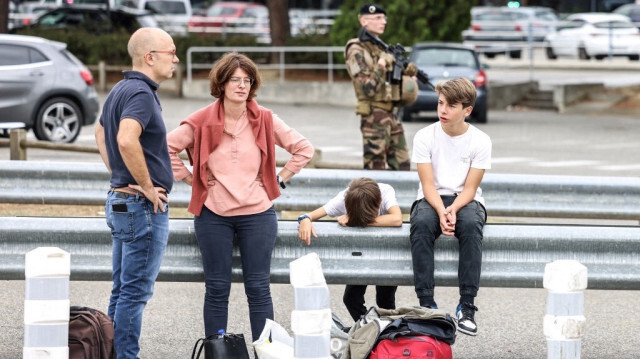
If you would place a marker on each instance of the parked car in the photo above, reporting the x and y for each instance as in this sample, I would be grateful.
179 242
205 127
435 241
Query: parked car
441 62
45 87
587 35
630 10
233 17
29 11
502 30
95 19
171 15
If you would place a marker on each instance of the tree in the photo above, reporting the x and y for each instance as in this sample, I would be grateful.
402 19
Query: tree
279 21
409 21
4 16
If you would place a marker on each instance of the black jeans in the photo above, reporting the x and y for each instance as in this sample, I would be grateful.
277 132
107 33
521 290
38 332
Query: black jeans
256 236
425 229
353 299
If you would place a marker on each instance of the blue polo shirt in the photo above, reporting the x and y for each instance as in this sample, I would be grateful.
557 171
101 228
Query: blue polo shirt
135 97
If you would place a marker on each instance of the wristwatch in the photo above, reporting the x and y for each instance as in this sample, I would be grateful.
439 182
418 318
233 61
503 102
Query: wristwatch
281 182
302 217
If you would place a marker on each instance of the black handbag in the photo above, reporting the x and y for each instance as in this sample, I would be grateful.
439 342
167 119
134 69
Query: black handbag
221 346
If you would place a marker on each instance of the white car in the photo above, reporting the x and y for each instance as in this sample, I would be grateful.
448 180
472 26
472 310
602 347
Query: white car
588 35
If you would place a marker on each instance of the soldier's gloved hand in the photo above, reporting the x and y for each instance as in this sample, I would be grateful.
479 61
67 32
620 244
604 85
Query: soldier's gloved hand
386 61
411 70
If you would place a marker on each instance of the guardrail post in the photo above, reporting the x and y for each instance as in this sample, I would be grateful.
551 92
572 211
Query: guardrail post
46 304
102 76
17 151
564 323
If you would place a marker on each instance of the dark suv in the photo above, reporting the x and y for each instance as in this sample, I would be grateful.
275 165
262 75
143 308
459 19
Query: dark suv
95 19
442 62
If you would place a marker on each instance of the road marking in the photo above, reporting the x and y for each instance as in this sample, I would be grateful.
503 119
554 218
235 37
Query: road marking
628 167
499 160
565 163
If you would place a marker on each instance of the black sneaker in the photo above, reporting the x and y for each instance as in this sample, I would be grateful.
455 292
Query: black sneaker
465 314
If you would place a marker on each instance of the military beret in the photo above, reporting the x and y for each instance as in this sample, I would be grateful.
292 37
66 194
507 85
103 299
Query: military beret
370 9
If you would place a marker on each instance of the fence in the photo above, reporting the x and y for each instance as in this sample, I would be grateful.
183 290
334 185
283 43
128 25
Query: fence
506 194
282 65
513 255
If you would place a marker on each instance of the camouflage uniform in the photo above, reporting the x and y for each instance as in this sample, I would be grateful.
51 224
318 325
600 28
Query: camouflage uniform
384 144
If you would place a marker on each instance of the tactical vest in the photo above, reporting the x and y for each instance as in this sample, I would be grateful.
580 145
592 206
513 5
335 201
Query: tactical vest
386 96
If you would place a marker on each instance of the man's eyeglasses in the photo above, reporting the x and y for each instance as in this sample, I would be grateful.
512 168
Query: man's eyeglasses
172 52
245 80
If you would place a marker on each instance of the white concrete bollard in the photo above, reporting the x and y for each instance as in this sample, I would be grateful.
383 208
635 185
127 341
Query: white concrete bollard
46 304
311 318
564 323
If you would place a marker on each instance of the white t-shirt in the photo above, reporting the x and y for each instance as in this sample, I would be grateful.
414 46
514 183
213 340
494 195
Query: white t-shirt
451 157
335 207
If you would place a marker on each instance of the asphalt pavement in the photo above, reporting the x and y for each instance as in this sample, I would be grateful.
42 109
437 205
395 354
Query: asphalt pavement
591 142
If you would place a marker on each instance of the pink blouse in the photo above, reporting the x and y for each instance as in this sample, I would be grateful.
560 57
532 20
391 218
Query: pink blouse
234 183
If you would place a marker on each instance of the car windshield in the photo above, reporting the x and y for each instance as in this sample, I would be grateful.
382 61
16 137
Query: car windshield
492 16
613 25
445 57
166 7
546 15
221 11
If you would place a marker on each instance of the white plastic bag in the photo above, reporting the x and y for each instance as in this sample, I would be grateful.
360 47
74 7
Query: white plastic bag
274 342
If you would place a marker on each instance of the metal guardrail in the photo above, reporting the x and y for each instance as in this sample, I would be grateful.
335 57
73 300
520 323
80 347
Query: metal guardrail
508 195
513 255
282 65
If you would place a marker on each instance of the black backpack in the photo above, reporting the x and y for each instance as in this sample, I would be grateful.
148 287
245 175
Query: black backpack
90 334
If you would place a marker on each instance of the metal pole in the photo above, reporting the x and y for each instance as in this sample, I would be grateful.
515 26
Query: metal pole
610 56
282 66
330 70
530 45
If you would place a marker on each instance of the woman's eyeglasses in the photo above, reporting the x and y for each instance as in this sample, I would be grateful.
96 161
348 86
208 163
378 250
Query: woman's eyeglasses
245 80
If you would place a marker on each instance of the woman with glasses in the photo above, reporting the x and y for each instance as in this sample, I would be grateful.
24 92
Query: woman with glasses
231 145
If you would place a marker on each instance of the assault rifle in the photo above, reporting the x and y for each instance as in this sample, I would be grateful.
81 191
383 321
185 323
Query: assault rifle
397 52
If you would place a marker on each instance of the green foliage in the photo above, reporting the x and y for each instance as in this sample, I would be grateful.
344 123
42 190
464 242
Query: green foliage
408 21
112 47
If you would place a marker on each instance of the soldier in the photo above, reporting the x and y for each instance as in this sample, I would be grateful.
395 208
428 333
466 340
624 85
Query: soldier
383 138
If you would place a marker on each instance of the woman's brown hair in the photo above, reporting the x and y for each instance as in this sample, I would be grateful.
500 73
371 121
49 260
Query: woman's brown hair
362 202
224 68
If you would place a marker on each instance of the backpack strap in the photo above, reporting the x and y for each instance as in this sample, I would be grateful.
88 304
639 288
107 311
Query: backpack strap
193 353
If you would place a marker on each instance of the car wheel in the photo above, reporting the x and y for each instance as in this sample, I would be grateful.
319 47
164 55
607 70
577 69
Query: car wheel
582 54
59 120
489 55
480 116
404 115
515 54
634 57
550 54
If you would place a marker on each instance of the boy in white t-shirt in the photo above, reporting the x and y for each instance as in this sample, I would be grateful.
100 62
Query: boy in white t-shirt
452 156
364 203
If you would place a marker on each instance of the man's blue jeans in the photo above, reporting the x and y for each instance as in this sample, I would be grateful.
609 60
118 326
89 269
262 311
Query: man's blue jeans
139 240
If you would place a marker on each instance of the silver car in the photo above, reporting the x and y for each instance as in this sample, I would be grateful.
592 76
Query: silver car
45 87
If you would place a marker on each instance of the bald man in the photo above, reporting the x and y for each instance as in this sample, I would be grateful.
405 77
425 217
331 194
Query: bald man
131 137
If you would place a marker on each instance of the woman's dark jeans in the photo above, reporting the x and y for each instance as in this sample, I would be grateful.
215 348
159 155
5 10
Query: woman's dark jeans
256 237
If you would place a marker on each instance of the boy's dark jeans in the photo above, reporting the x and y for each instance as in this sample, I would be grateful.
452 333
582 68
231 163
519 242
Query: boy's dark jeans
425 229
353 299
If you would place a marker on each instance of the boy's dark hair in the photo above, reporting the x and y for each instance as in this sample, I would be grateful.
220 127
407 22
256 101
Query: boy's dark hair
458 90
362 202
